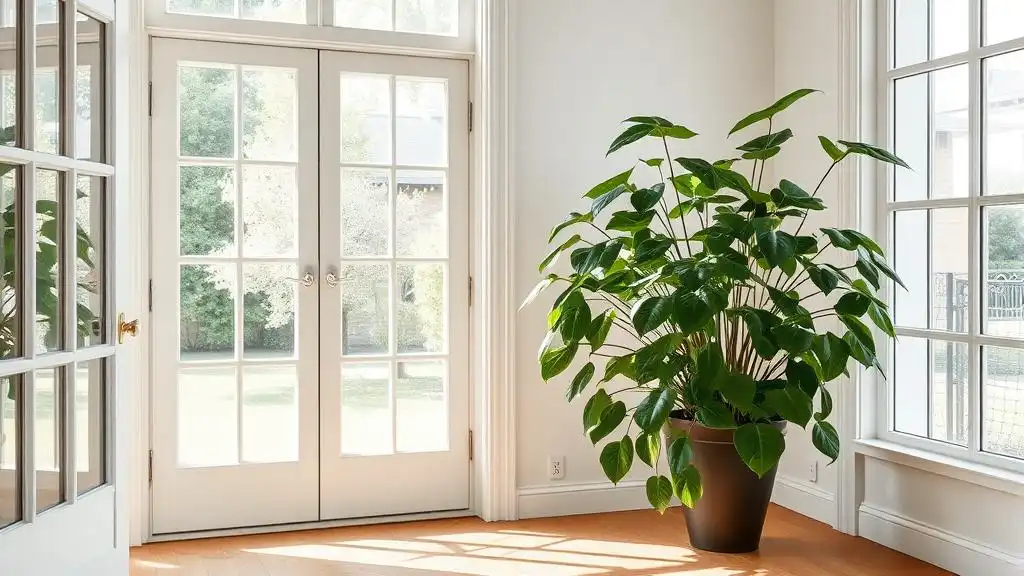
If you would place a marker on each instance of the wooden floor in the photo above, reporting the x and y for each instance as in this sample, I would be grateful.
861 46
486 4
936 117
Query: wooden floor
623 543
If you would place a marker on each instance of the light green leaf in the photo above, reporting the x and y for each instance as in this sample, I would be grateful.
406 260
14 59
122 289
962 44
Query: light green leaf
659 493
597 334
553 256
609 184
769 112
616 459
540 287
554 361
688 486
760 446
648 447
574 218
594 408
831 149
680 454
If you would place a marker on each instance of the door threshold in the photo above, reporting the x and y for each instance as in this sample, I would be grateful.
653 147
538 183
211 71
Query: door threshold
300 526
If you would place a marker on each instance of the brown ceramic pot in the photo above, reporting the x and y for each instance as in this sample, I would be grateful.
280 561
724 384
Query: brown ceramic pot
730 515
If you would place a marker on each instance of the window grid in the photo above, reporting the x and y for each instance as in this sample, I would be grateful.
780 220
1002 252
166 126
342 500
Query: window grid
23 366
975 202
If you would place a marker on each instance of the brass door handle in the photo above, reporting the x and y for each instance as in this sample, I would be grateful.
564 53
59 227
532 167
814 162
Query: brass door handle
130 328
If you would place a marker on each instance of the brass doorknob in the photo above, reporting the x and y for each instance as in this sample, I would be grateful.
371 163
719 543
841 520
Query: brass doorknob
130 328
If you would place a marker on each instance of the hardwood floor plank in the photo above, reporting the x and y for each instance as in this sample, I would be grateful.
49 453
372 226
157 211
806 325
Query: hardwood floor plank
618 544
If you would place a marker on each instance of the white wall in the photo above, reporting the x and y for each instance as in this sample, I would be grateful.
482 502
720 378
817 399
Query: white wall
579 68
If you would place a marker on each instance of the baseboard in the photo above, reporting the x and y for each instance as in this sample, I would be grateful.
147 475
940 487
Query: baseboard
940 547
805 499
581 498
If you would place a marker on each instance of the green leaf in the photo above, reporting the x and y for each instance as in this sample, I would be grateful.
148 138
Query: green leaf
762 143
609 420
825 279
826 405
648 447
553 256
554 361
600 255
859 351
789 303
654 162
609 184
760 446
651 249
887 270
758 324
832 353
776 246
574 321
860 331
630 221
594 408
618 365
769 112
793 339
874 152
616 459
738 390
677 132
597 334
690 313
717 415
762 154
831 149
540 287
791 402
647 198
803 375
881 319
853 303
826 440
629 136
688 486
680 454
868 270
649 314
579 383
602 201
659 493
840 239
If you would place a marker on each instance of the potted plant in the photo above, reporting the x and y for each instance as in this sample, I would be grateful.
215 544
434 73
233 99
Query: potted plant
730 317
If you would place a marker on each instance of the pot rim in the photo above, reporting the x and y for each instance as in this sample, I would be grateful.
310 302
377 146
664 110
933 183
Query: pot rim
700 433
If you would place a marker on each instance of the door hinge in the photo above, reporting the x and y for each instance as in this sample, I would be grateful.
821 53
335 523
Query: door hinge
470 116
470 291
151 467
150 294
150 99
470 445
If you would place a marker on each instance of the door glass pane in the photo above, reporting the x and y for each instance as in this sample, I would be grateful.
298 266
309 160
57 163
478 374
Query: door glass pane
368 14
89 213
365 119
1002 428
949 240
46 12
10 450
421 109
49 443
10 317
90 437
9 29
270 414
949 392
49 210
365 212
89 89
365 308
421 419
207 210
910 260
207 111
269 211
1003 239
207 301
421 219
48 75
1004 20
421 306
270 310
1004 124
207 416
366 409
269 114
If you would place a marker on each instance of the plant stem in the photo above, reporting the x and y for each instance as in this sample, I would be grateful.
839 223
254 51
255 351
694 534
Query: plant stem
672 181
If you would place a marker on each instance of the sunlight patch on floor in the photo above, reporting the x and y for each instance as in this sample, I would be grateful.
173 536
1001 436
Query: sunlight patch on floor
154 565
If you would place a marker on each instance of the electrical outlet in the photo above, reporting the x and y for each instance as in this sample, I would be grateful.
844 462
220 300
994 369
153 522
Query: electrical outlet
556 467
812 471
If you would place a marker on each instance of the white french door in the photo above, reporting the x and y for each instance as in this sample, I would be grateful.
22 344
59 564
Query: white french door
310 301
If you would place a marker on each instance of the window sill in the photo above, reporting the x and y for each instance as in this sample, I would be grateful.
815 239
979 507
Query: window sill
942 465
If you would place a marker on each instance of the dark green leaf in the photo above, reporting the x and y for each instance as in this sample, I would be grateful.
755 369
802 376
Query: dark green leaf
630 221
853 303
788 266
806 244
616 459
715 414
868 270
874 152
629 136
831 149
648 447
767 141
650 120
650 357
609 184
776 246
738 390
881 319
760 446
574 218
597 334
659 493
688 486
579 383
859 351
550 259
618 365
887 270
792 403
594 408
859 330
554 361
826 405
793 339
832 353
690 313
802 375
826 440
602 201
680 454
575 318
651 249
789 303
758 330
762 154
769 112
649 314
677 132
840 239
609 420
825 279
647 198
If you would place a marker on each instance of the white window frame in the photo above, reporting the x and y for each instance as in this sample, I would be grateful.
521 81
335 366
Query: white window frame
972 456
317 32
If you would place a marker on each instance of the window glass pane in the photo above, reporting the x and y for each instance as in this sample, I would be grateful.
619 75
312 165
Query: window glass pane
366 409
910 136
930 389
1002 428
202 7
421 215
421 308
910 260
270 414
91 250
207 395
10 450
427 16
48 75
421 109
1004 124
365 119
949 253
275 10
8 76
89 89
90 437
421 405
207 111
949 392
365 308
1004 20
49 286
207 301
10 276
947 21
950 31
910 385
207 210
1003 241
270 310
368 14
49 445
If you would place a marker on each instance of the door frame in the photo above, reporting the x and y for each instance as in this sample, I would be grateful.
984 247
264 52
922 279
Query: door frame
493 494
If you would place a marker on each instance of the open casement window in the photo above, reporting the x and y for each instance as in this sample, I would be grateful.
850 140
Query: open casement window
442 25
951 104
